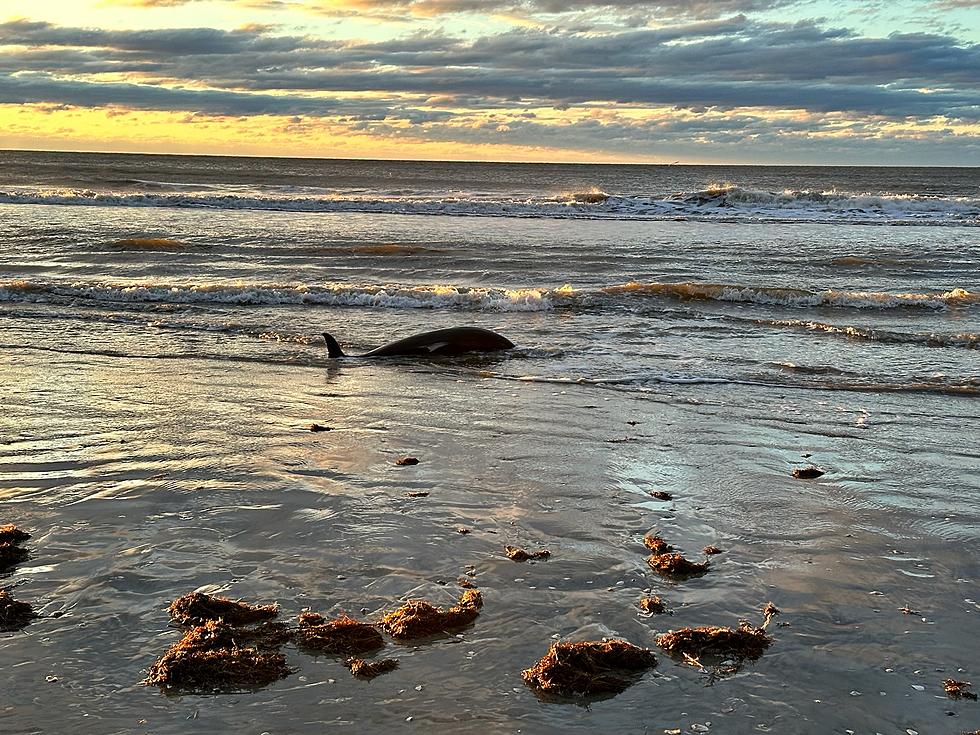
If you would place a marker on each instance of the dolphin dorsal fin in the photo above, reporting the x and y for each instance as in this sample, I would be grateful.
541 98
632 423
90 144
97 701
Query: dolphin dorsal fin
333 347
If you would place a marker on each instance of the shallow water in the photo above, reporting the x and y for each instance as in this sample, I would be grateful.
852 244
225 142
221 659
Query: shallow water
155 403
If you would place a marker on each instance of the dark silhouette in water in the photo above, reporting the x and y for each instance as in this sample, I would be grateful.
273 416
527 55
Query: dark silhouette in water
452 341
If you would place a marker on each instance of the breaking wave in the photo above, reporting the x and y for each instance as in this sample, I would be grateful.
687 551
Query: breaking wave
722 202
796 297
403 296
969 340
391 296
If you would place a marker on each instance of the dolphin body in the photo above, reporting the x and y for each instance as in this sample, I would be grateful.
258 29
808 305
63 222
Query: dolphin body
452 341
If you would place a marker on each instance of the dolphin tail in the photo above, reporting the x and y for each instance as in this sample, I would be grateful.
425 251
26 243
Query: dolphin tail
333 347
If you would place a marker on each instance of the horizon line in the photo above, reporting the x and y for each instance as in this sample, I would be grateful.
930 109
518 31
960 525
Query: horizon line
475 161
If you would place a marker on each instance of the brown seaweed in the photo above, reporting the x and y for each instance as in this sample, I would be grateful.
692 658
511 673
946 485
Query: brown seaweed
319 427
11 554
9 533
516 553
369 669
209 658
661 495
197 608
807 473
343 635
420 619
653 605
711 550
406 461
674 566
11 551
14 615
742 643
417 494
769 611
588 668
656 544
958 689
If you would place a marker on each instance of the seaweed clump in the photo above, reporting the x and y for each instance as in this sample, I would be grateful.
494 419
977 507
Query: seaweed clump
653 605
808 473
343 635
11 550
588 668
958 689
14 615
742 643
674 565
210 658
362 669
656 544
9 533
668 562
516 553
419 619
661 495
198 608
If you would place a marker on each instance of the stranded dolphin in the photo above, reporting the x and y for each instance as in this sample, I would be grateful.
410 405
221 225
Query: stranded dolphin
452 341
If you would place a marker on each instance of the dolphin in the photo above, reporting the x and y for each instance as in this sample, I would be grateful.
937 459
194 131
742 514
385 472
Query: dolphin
452 341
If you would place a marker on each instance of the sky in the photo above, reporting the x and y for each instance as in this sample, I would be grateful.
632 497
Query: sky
698 81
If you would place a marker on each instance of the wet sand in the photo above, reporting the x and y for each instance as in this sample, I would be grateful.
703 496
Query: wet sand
143 480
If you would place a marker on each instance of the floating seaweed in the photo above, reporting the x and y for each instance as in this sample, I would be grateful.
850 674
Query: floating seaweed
209 658
958 689
11 551
742 643
197 608
369 669
675 566
711 550
9 533
319 427
653 605
406 461
769 611
516 553
11 554
588 668
417 494
420 619
808 473
343 635
14 615
656 544
466 583
661 495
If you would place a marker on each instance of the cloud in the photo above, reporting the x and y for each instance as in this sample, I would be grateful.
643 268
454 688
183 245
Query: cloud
720 79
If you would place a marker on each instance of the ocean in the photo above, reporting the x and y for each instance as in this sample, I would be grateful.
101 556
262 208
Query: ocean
700 330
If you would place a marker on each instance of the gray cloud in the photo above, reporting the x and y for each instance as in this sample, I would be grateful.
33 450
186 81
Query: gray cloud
731 63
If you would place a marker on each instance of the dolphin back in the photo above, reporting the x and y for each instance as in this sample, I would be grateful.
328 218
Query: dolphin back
452 341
